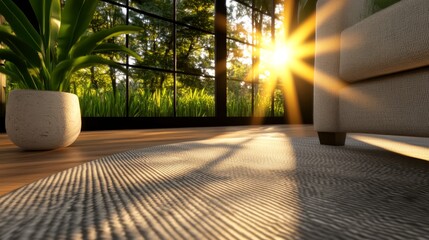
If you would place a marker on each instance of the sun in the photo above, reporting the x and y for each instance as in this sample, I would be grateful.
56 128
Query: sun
282 55
287 57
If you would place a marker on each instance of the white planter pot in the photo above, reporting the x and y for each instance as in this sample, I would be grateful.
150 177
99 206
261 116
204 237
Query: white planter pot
42 120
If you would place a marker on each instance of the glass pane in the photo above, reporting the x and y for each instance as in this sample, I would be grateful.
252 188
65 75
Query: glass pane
279 8
239 99
265 6
263 30
197 13
101 91
151 93
264 74
280 31
107 16
244 2
266 29
163 8
123 2
195 52
154 43
279 107
239 21
262 101
195 96
239 61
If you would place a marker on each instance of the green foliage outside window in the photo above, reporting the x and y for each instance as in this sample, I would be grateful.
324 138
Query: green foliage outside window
103 90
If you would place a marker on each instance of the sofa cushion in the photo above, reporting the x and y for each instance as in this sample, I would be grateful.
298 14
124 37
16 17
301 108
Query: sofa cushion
392 40
395 104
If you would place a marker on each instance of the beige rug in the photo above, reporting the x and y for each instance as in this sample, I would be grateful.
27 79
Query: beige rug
265 186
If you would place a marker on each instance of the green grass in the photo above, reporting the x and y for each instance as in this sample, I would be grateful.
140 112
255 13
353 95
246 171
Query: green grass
144 103
195 103
160 103
238 105
102 104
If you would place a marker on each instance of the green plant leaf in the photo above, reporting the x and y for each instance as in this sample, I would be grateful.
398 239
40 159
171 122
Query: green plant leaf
20 48
48 13
20 75
87 44
112 47
43 60
6 29
9 73
41 9
9 55
62 73
20 24
75 19
55 22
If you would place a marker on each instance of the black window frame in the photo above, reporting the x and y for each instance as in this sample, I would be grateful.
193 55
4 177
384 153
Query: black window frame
221 118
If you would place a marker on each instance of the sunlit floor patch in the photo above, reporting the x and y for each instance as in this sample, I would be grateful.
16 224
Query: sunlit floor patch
407 146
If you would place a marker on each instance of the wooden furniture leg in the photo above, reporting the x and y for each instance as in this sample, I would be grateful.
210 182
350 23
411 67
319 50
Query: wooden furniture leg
332 138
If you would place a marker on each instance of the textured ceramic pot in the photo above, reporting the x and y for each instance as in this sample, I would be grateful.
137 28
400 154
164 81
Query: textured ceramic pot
42 120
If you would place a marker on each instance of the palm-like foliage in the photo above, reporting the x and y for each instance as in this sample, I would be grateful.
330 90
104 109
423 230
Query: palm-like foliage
44 59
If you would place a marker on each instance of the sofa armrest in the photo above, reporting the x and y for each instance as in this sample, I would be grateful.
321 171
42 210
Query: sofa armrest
329 24
332 17
390 41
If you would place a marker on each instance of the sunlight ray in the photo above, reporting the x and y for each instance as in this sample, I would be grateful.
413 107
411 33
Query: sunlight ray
326 45
327 82
308 27
305 30
293 112
287 58
289 7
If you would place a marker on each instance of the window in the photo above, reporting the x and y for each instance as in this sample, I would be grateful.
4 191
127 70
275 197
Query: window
176 76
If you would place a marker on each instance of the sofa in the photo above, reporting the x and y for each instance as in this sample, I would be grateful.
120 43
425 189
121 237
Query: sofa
371 69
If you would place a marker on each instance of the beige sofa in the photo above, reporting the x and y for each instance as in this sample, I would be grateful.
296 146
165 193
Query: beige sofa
373 74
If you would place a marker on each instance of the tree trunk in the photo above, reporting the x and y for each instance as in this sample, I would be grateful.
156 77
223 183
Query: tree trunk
94 83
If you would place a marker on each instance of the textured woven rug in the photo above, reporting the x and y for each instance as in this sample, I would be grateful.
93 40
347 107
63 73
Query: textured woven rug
265 186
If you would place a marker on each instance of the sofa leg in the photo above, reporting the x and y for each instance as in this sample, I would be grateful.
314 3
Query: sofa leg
332 138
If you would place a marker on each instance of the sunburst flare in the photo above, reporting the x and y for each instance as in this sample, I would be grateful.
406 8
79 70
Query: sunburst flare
287 57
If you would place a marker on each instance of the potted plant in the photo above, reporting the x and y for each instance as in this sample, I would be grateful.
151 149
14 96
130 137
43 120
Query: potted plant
40 61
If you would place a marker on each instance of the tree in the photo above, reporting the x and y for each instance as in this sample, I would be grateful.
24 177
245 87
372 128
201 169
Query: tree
193 40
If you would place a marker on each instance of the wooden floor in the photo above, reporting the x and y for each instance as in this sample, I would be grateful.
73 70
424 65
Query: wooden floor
18 168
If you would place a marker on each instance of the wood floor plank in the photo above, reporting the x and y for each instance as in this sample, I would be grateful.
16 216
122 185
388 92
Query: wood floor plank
18 168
